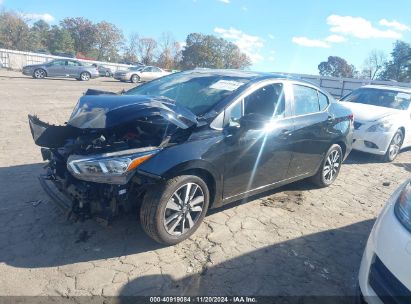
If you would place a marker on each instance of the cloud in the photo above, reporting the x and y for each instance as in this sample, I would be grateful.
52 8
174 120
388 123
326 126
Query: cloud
34 17
250 45
304 41
335 39
271 36
1 2
358 27
225 1
394 24
244 8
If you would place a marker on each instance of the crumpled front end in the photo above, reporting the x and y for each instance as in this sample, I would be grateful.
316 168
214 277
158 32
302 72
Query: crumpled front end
93 160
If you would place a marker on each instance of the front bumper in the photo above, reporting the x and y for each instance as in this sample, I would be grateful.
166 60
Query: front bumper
28 72
372 142
385 270
121 77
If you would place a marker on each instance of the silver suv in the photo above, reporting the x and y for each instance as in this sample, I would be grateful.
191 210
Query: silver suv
61 68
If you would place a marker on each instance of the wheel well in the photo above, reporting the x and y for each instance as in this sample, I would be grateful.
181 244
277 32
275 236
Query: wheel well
403 132
343 147
207 177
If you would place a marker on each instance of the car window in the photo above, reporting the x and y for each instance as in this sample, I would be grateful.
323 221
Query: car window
268 100
234 113
147 69
58 63
381 98
157 70
72 63
323 99
305 100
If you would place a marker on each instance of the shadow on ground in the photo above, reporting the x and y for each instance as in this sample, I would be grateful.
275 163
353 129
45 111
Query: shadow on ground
316 264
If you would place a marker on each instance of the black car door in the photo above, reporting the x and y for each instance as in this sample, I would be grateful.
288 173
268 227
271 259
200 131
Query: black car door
257 156
310 138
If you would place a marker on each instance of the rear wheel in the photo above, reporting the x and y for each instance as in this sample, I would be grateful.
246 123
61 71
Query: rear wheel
172 212
85 76
330 167
394 147
39 74
135 78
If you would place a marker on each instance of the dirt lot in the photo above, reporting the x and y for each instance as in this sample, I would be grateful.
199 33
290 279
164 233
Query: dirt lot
297 241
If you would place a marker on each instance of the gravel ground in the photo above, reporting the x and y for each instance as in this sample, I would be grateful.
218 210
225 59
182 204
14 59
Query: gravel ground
297 240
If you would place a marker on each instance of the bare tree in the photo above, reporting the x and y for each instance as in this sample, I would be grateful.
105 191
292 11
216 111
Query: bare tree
170 51
146 50
374 64
131 48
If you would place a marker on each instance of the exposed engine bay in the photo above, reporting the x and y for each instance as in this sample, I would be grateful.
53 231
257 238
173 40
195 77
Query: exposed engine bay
92 159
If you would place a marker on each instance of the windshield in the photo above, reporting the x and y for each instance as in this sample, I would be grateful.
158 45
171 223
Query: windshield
198 92
135 68
381 98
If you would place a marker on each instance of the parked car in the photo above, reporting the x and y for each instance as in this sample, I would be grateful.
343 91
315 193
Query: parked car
42 51
61 68
103 71
382 119
1 64
191 141
386 263
67 55
137 74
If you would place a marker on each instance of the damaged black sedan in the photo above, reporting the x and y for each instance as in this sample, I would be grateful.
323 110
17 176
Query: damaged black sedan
191 141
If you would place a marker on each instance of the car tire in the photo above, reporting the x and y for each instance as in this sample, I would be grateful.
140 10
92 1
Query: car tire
134 78
85 76
39 74
167 216
330 167
394 147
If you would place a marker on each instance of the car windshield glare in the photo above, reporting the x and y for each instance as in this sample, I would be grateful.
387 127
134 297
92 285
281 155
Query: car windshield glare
381 98
198 92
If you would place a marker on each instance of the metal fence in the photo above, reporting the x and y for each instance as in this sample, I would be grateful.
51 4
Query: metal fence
339 87
16 60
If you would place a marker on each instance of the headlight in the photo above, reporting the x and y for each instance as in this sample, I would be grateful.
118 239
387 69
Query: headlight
109 168
382 126
402 207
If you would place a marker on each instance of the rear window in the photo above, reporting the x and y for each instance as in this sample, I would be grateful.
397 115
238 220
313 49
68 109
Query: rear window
381 98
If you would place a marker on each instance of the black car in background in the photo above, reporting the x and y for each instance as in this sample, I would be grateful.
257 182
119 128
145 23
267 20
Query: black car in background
190 141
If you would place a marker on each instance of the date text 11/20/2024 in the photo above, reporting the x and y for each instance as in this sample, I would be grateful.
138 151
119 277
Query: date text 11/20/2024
203 299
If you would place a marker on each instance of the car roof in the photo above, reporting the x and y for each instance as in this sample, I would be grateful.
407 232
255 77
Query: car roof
387 87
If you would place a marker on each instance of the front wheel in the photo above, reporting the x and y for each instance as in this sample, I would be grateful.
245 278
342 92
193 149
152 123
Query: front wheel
85 76
394 147
173 211
39 74
135 79
330 167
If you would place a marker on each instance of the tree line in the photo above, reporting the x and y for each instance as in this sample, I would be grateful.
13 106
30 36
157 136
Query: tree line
104 41
376 66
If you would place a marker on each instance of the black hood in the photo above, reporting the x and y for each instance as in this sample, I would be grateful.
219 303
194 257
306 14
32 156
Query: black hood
108 111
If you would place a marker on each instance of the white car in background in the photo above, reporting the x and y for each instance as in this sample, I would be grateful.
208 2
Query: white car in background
382 119
137 74
385 272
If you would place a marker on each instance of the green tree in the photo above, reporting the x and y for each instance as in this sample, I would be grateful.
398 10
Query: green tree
60 40
399 67
83 32
336 67
39 35
208 51
14 31
109 39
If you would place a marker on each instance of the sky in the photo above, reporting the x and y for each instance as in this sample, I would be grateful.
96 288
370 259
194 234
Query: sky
279 36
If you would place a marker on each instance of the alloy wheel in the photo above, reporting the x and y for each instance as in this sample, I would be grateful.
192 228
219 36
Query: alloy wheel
331 166
85 76
183 209
39 74
395 145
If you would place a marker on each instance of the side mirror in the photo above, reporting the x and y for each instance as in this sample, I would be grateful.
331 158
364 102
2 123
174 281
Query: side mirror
253 121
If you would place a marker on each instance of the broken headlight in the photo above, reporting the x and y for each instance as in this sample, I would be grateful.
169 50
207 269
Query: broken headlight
109 168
